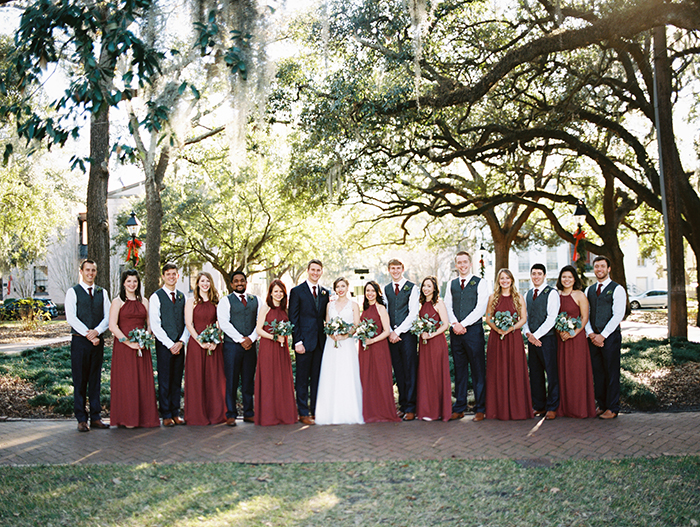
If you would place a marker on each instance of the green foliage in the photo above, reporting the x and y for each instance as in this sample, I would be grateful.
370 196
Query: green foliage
49 369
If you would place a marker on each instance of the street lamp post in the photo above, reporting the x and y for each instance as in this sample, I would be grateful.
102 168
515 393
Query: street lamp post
133 226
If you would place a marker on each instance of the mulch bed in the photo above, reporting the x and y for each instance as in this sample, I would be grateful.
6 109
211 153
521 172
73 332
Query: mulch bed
12 333
676 388
14 400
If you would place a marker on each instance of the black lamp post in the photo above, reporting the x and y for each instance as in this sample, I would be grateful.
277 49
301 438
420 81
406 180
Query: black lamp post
579 216
133 226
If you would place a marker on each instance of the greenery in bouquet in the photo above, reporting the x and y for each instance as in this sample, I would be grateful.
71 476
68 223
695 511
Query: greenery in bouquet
504 320
366 330
279 328
211 335
424 324
143 338
337 326
566 323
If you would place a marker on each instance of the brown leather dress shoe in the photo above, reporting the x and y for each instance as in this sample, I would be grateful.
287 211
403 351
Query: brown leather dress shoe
409 416
550 415
249 419
456 415
83 427
607 414
99 424
598 411
168 422
178 420
540 413
307 420
479 416
231 421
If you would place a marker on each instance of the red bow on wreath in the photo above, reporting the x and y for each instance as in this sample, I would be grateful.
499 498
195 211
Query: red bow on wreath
580 235
133 245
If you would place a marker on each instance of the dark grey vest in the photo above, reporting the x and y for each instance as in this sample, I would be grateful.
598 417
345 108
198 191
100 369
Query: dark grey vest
397 305
242 317
172 315
537 309
464 300
90 311
601 306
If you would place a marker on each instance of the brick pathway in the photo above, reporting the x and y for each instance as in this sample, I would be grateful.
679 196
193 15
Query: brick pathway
30 442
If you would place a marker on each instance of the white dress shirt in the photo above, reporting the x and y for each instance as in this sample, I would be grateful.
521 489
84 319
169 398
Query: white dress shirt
553 303
71 306
413 306
482 300
223 315
156 324
619 305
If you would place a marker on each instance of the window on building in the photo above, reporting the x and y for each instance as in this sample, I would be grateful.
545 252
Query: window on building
641 262
524 263
552 261
41 280
523 286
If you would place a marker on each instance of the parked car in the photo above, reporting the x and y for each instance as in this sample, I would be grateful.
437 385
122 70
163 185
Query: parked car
11 309
651 298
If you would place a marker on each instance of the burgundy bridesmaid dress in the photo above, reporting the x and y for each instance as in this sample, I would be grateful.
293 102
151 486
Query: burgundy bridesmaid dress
433 386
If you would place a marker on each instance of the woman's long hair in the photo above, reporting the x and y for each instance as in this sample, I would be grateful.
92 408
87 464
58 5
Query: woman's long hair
578 286
436 291
497 291
377 289
270 302
213 294
122 290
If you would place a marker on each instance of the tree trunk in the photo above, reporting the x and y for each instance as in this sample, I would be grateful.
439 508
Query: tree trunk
154 219
669 170
97 210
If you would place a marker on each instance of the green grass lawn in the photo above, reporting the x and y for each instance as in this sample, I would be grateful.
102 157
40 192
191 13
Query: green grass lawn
644 492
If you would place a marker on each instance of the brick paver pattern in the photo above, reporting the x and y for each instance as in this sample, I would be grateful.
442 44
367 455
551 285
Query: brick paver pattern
39 442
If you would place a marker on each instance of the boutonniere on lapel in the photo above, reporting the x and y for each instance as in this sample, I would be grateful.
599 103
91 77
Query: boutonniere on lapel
471 282
324 292
406 287
248 297
609 293
546 289
97 289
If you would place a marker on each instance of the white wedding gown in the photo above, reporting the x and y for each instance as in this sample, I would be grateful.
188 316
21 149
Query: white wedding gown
339 398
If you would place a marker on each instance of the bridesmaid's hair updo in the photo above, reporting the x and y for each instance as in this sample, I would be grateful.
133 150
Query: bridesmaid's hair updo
213 294
122 290
377 289
436 290
338 280
578 286
498 291
270 302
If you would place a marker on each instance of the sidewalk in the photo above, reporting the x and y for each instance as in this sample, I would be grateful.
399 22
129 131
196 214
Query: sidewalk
19 347
39 442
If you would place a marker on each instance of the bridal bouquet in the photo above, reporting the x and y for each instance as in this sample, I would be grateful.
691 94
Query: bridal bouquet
423 324
566 323
279 328
143 338
504 320
211 335
337 326
365 330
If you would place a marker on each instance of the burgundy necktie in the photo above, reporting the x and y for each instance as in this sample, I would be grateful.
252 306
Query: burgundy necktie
314 288
600 288
463 280
396 289
90 291
534 296
172 295
244 301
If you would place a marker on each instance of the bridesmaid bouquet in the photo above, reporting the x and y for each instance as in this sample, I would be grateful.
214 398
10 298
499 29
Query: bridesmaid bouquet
504 320
365 330
424 324
566 323
337 326
279 328
211 335
143 338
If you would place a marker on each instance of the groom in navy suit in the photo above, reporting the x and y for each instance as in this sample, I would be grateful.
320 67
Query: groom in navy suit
307 311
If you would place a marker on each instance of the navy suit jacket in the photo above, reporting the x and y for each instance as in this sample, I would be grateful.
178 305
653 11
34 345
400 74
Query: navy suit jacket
307 319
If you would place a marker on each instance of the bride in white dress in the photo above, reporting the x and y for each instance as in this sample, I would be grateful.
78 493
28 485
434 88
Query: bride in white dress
339 399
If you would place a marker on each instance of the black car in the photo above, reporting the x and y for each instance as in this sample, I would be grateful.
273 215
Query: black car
11 308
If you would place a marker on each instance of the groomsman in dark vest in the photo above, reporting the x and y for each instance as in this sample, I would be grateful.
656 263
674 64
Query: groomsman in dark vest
307 311
166 313
237 314
542 309
87 312
403 305
608 301
466 300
